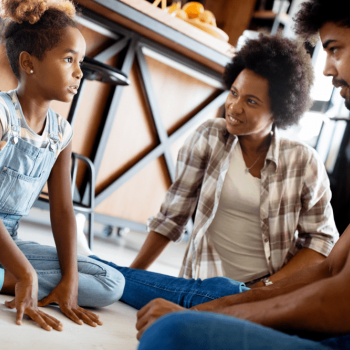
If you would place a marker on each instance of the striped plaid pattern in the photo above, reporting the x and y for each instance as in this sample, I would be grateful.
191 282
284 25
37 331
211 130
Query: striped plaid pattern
65 131
295 210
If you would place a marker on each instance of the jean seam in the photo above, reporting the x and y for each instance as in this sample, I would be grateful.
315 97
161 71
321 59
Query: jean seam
172 291
43 258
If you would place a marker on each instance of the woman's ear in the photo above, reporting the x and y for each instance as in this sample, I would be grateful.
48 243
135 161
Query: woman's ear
26 63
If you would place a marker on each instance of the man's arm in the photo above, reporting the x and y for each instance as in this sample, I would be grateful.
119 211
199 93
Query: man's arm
306 257
321 308
289 284
330 267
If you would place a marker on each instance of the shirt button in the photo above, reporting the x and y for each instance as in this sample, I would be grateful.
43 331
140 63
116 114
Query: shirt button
266 239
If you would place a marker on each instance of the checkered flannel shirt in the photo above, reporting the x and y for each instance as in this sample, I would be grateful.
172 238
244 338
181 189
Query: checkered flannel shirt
295 210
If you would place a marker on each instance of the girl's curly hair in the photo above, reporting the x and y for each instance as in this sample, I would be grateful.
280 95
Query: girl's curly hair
34 26
288 70
315 13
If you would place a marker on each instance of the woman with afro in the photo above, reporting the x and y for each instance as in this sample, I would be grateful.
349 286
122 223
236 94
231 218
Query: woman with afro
262 201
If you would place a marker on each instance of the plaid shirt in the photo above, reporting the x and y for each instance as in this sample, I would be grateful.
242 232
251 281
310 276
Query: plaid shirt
295 210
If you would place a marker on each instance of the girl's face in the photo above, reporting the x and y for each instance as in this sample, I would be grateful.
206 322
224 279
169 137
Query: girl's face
248 106
57 76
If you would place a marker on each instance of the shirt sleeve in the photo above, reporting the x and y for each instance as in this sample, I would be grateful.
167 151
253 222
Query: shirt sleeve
66 132
316 228
4 116
182 197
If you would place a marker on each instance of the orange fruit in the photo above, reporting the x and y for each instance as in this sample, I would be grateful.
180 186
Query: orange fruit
193 9
207 17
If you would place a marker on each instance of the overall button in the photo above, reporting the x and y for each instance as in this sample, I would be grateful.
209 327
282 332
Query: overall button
52 148
15 140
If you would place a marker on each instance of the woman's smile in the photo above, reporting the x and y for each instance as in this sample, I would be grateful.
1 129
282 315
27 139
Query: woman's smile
247 106
232 120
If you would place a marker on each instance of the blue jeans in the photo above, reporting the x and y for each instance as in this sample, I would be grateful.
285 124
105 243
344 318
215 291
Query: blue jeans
204 330
143 286
99 285
191 330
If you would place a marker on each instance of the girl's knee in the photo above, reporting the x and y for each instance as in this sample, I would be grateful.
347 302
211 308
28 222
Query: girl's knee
114 283
99 285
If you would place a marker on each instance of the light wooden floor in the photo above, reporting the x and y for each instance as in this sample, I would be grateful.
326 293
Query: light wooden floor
118 330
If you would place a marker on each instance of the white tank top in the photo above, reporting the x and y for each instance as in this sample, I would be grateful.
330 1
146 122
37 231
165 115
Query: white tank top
235 231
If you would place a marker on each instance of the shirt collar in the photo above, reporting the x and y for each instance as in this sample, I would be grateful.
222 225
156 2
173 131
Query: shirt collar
273 151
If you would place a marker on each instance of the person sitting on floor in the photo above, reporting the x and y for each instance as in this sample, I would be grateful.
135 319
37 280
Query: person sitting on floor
45 49
263 201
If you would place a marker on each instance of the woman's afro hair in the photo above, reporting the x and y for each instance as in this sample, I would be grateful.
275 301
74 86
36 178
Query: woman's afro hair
315 13
34 26
288 70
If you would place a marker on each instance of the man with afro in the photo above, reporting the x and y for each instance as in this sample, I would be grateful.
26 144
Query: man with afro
307 310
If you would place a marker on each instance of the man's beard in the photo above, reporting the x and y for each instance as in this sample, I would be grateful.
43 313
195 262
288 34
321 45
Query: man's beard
347 103
342 82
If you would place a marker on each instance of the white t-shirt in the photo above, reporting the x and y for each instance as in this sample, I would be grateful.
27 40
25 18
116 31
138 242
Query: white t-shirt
65 131
235 231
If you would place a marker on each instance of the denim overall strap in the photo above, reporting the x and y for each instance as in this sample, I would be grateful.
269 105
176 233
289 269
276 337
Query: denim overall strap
53 130
13 113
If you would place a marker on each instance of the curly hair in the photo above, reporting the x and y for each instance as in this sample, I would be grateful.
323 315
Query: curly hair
33 26
315 13
288 70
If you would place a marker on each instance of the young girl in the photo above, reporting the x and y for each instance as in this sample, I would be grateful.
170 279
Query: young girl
45 50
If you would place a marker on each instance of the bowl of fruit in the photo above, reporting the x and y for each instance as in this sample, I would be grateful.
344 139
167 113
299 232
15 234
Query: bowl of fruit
195 14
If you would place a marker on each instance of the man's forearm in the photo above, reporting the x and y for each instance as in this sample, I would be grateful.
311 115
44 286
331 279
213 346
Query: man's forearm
289 284
306 257
155 243
321 308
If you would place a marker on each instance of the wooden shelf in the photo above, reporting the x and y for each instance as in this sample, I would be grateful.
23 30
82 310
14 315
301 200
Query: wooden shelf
283 17
157 25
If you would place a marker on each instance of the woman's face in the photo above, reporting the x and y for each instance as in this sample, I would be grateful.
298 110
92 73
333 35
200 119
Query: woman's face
248 106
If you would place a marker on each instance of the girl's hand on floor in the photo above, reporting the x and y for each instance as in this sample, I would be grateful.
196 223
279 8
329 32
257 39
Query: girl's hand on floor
25 301
152 311
66 296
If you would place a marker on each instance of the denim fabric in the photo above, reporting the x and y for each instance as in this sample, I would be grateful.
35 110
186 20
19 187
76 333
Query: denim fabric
99 285
143 286
191 330
2 276
24 170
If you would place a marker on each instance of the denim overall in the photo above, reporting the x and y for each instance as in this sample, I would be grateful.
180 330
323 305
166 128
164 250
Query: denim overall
24 170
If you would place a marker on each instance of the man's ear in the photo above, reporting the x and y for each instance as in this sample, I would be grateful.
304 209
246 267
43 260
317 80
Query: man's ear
26 63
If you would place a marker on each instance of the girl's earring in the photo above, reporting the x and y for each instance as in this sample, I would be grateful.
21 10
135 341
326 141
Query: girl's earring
31 71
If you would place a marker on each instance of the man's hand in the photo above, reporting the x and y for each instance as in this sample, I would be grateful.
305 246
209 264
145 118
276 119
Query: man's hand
25 301
152 311
65 294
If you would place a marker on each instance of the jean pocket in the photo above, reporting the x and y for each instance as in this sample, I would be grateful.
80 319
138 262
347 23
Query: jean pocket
17 191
